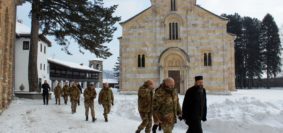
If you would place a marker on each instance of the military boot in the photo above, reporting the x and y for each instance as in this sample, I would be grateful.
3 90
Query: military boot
138 131
93 119
106 119
86 119
159 127
154 128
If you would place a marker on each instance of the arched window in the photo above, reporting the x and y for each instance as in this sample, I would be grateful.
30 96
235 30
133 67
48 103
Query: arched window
173 31
173 5
141 61
207 59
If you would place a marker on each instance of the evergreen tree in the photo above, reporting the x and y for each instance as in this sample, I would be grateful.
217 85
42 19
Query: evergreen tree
234 26
271 46
117 68
253 61
247 49
88 22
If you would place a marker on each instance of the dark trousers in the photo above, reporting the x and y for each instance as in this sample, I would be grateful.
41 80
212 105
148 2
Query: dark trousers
45 98
194 126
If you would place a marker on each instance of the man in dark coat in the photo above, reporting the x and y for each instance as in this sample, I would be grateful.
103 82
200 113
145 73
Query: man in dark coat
194 106
45 93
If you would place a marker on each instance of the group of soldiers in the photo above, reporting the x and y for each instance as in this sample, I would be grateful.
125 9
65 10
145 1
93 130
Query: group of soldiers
162 105
74 91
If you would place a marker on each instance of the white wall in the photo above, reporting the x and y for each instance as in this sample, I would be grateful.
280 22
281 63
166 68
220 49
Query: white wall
21 64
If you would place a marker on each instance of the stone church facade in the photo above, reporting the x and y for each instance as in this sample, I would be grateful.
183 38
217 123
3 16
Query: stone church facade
7 40
178 39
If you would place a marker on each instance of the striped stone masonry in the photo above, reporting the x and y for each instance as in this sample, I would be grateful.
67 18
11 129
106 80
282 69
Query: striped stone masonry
199 32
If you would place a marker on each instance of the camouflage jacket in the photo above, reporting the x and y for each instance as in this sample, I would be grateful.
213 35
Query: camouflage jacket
145 99
57 91
106 96
65 90
75 93
89 95
166 105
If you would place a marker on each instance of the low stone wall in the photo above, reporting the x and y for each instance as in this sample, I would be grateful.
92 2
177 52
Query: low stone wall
275 82
30 95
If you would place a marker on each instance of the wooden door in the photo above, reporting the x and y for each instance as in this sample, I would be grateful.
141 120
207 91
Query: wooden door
177 77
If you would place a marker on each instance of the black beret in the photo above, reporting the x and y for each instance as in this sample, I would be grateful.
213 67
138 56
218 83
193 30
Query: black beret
198 78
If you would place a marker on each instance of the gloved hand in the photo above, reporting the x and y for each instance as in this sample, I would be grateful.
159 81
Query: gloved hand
204 119
180 118
112 104
187 122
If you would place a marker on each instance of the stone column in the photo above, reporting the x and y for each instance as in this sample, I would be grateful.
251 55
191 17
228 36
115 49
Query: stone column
161 74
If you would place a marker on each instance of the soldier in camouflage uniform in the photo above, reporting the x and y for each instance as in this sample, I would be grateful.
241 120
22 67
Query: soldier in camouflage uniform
57 93
81 91
106 98
156 120
166 105
65 92
89 96
145 100
75 95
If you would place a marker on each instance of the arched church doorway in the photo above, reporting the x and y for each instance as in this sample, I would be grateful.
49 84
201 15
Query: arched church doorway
174 63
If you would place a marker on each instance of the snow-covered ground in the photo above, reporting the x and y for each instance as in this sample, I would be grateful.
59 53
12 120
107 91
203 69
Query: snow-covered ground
246 111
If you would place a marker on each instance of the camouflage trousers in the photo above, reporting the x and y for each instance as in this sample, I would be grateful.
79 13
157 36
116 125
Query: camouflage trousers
146 121
66 99
167 127
74 105
89 105
107 109
58 99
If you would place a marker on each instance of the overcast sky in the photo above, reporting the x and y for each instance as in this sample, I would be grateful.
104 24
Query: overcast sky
129 8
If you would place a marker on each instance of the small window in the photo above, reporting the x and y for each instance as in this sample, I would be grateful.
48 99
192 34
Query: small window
26 45
48 68
44 49
40 66
97 66
44 67
207 59
173 31
141 61
173 5
40 47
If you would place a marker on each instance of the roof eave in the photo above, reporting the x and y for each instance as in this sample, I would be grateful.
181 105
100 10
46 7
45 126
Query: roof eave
41 37
223 18
49 60
128 20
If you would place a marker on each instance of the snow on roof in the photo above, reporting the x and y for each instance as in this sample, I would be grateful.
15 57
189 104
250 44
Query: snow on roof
72 65
22 29
110 81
